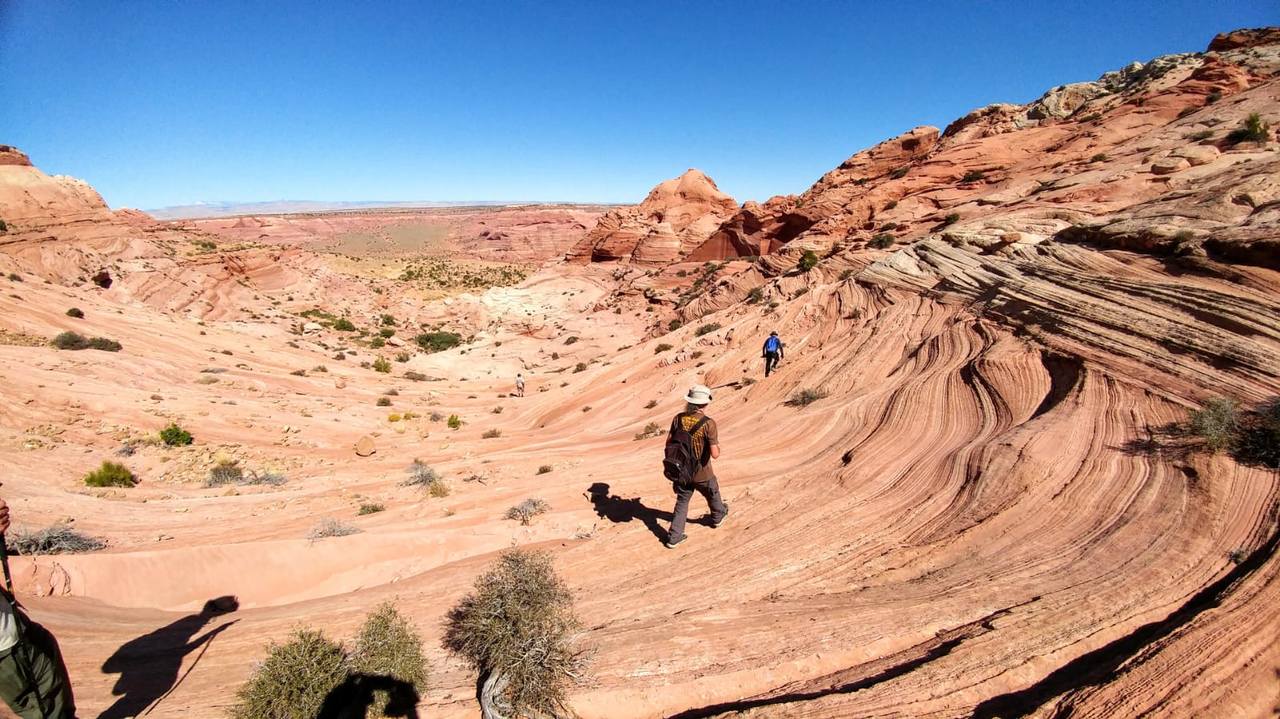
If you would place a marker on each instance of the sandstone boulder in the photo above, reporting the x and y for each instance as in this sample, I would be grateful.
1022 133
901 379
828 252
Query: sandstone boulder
364 446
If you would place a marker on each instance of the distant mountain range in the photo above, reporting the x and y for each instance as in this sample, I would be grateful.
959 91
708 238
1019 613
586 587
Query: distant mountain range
284 207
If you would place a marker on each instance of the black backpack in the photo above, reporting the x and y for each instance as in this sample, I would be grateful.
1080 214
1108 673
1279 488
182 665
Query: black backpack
680 462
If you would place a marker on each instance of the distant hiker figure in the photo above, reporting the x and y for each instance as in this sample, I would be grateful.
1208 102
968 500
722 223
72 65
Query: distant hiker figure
773 351
692 443
519 385
33 677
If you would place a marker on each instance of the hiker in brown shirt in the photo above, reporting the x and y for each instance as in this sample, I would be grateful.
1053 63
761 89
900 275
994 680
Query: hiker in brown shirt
706 445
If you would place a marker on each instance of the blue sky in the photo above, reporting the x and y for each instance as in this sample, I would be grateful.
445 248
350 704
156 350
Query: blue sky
160 103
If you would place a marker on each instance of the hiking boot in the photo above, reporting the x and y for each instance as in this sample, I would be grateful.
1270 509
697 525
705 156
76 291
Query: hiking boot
720 521
673 542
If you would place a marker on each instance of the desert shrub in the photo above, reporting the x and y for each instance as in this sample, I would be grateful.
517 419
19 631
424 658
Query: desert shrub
1217 423
75 312
438 341
846 274
378 343
1259 436
497 410
58 539
388 321
974 176
436 417
403 356
491 434
394 417
110 474
653 429
319 368
382 365
383 402
555 355
424 477
674 325
70 341
890 205
1254 129
545 469
15 277
748 381
370 508
225 472
294 679
652 403
808 261
951 219
1200 135
454 422
571 340
580 367
175 436
755 295
707 329
330 527
899 173
1212 97
4 226
805 397
517 630
1100 157
342 324
388 645
527 510
414 376
392 392
881 241
274 479
662 347
386 332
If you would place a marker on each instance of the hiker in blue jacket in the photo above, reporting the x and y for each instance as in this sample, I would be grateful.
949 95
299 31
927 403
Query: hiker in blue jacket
773 351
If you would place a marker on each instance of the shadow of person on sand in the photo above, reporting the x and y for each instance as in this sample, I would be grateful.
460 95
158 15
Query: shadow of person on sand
353 697
619 510
149 665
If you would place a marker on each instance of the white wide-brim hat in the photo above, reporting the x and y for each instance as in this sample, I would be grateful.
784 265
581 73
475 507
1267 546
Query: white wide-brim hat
698 394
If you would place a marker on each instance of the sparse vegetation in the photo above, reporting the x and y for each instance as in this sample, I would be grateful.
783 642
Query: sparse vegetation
388 321
175 436
674 325
403 356
1217 423
1212 97
491 433
110 474
454 422
378 343
545 469
881 241
1254 129
58 539
755 295
974 176
330 527
652 403
75 312
1100 157
15 277
653 429
294 679
580 367
370 508
389 646
386 332
224 473
951 219
381 365
707 329
805 397
414 376
517 630
424 477
438 341
845 274
383 402
75 341
662 347
890 205
571 340
899 173
525 511
808 261
342 324
1200 135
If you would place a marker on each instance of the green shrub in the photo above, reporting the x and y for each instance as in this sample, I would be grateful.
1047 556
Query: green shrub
899 173
707 329
382 365
674 325
74 341
377 343
1217 423
1100 157
517 629
386 332
388 321
343 324
438 341
951 219
110 474
175 436
57 539
1213 97
1253 130
491 434
370 508
389 646
881 241
805 397
755 295
662 347
383 402
545 469
808 261
454 422
403 356
294 680
75 312
845 274
580 367
974 176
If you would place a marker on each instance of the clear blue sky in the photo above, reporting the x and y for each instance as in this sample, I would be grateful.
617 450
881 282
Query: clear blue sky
165 102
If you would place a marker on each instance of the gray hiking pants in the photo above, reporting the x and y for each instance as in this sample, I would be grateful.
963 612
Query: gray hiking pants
707 488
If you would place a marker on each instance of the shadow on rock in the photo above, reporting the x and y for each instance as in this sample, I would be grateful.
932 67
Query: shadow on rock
353 698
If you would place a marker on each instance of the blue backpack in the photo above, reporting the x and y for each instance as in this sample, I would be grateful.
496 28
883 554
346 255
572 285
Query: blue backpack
772 344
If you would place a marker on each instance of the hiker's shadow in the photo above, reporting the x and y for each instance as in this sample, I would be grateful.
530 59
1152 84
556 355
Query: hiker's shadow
353 697
619 510
149 664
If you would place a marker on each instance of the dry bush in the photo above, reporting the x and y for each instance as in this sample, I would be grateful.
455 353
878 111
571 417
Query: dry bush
707 329
110 474
423 476
491 434
653 429
545 469
806 397
527 510
226 472
389 646
517 629
294 679
370 508
383 402
330 527
58 539
652 403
